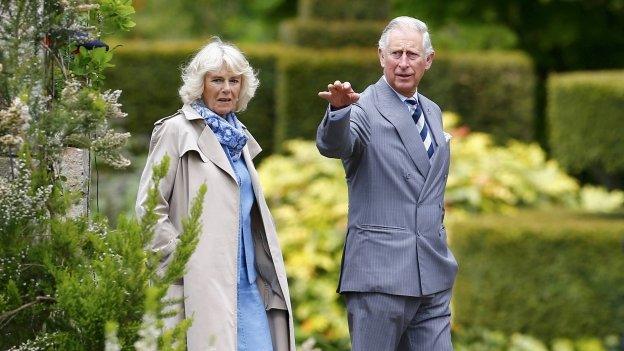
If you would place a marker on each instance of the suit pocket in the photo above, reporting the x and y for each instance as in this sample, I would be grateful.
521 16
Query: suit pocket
377 228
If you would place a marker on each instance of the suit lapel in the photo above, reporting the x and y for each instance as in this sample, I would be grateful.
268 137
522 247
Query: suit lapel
395 111
437 161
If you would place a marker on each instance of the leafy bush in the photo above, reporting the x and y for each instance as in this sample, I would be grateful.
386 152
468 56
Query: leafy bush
320 33
458 36
585 119
549 274
344 9
477 339
308 199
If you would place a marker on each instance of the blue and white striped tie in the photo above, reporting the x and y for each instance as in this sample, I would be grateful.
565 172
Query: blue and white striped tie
419 118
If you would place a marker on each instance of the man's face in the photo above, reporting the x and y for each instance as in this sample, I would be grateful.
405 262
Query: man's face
403 61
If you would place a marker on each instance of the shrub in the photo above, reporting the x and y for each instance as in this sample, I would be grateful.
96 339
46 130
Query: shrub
548 274
344 9
585 120
321 33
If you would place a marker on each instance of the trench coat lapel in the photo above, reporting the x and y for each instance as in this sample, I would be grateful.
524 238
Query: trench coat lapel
209 145
395 111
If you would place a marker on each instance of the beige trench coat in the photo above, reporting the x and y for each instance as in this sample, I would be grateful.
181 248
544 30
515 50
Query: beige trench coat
209 285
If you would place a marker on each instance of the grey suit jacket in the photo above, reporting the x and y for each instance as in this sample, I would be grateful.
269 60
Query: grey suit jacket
396 239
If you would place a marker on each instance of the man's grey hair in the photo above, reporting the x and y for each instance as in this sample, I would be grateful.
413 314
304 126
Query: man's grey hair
211 59
410 24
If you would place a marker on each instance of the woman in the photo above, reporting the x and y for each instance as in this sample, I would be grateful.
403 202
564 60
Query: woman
235 287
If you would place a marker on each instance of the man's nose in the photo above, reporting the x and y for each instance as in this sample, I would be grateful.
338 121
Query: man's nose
404 61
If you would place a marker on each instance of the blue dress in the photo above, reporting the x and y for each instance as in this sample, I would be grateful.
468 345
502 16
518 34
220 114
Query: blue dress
253 326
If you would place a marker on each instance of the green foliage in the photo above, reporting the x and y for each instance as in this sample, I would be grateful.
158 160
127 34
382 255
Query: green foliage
585 120
321 33
72 276
489 178
117 14
557 34
492 91
344 9
478 339
91 64
459 36
308 198
247 20
548 274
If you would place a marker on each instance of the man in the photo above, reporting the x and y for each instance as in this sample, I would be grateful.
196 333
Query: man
397 271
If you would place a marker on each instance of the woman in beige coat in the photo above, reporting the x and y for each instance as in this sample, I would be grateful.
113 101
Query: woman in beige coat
235 287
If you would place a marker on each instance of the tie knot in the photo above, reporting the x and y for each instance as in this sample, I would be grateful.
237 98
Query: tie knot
412 102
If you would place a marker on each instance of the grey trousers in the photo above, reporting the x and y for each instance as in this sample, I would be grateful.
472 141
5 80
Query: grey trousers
384 322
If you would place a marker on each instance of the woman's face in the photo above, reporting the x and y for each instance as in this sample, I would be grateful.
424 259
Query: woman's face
221 91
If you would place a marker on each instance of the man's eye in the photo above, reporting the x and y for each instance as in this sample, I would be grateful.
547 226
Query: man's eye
412 55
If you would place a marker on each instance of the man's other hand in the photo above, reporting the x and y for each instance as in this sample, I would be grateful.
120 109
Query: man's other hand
339 95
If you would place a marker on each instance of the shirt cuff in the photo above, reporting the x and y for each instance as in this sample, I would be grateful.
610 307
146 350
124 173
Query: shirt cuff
339 114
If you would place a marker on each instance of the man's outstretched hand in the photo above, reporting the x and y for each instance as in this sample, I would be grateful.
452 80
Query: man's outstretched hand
339 94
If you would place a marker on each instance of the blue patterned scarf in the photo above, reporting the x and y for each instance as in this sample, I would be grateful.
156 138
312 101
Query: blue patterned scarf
227 130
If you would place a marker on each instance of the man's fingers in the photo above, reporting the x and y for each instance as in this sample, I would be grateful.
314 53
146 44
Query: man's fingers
354 97
324 95
346 86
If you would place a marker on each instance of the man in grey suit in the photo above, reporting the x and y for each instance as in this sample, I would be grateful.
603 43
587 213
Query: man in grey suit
397 271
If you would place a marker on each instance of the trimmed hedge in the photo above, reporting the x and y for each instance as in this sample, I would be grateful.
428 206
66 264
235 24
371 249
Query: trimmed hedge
303 75
586 120
493 92
322 33
549 274
344 9
149 75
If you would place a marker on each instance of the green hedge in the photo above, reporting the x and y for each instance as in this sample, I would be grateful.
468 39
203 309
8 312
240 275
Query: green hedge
302 76
585 116
149 75
549 274
493 92
344 9
339 33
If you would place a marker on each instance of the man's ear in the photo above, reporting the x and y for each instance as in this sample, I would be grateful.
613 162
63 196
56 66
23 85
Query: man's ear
429 60
381 58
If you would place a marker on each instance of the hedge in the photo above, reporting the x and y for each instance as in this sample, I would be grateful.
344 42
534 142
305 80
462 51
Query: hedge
339 33
492 91
585 117
149 75
549 274
344 9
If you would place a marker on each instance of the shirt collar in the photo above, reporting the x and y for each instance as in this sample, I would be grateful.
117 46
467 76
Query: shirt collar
401 96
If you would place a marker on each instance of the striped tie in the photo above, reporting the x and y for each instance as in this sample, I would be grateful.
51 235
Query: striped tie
419 117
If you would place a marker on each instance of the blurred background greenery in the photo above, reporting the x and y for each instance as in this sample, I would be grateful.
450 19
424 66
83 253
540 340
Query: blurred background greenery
534 91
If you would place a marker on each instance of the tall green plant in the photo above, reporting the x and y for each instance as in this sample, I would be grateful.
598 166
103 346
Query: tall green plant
62 280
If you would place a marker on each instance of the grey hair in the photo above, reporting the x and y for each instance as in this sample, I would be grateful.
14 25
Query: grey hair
211 59
409 23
